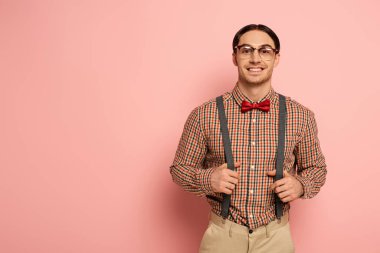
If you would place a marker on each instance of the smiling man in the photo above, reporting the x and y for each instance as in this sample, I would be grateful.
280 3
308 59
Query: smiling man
252 222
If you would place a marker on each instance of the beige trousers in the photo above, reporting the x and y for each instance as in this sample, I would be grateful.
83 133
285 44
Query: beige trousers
225 236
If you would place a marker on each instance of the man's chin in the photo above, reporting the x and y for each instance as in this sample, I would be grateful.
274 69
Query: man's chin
256 82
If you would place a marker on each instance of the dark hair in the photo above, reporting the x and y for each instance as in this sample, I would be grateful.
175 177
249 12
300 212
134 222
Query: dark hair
260 27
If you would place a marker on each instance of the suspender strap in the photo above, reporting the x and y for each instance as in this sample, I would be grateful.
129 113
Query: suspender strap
227 151
280 152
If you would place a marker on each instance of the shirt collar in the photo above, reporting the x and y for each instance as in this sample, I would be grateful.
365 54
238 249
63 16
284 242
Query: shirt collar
239 96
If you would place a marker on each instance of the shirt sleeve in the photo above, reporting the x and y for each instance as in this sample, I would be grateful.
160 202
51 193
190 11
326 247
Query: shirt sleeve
187 169
311 165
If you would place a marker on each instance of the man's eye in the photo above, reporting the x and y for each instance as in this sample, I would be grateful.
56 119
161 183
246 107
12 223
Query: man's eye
246 50
265 50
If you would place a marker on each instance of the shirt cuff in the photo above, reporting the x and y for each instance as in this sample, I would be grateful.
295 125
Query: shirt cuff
307 186
204 180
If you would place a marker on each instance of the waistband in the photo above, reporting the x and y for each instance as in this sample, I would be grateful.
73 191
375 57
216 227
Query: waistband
241 229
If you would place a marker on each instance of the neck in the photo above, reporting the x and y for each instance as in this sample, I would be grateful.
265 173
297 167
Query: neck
255 92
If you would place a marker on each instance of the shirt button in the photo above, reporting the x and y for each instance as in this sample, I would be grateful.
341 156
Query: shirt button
254 120
252 167
251 191
250 216
253 143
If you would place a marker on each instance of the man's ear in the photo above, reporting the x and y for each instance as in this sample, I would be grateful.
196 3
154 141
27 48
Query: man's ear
234 59
277 60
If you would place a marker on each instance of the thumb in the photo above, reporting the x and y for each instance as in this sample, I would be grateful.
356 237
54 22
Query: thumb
271 173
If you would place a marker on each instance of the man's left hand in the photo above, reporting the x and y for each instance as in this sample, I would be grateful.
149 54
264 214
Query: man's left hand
288 188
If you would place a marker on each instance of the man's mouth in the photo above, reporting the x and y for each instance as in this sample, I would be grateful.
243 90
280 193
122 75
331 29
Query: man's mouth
255 69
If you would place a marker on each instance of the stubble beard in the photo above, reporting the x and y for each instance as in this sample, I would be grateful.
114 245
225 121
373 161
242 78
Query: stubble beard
256 82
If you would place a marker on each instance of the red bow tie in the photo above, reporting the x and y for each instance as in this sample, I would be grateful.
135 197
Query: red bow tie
247 106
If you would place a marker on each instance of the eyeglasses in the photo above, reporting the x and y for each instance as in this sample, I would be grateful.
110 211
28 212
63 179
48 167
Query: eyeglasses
266 52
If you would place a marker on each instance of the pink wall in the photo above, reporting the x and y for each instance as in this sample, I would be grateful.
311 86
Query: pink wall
94 96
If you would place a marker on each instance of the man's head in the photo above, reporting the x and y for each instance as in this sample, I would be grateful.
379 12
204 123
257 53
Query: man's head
255 52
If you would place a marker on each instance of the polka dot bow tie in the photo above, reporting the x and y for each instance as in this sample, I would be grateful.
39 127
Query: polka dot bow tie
247 106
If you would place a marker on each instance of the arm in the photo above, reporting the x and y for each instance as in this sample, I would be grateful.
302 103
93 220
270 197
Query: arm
187 168
311 166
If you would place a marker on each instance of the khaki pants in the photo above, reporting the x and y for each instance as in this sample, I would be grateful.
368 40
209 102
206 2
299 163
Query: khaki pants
225 236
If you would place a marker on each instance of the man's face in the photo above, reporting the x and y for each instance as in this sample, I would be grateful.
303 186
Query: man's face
254 70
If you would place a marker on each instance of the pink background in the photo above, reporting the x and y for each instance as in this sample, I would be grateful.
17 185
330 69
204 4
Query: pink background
94 96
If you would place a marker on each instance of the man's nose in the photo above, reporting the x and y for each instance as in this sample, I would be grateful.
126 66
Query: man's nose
255 56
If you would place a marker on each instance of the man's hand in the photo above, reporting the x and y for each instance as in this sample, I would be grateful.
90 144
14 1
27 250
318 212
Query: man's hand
288 188
223 179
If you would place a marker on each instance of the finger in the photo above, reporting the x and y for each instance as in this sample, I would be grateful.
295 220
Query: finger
284 194
237 164
273 173
280 189
277 184
229 186
232 180
281 181
233 174
227 191
287 199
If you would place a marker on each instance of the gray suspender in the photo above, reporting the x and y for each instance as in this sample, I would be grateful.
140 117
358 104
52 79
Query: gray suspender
229 157
280 151
227 151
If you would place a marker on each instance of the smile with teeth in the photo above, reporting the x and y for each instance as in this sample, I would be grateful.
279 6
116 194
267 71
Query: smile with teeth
255 69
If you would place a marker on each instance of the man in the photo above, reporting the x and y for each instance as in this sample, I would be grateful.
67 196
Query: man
252 110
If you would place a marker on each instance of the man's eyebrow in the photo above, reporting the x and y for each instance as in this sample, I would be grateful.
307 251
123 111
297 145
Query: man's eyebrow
266 45
263 45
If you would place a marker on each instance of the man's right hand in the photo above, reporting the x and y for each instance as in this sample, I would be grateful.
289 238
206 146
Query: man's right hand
223 179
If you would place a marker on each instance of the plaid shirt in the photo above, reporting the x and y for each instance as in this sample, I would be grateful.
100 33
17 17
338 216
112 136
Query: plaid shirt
253 137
